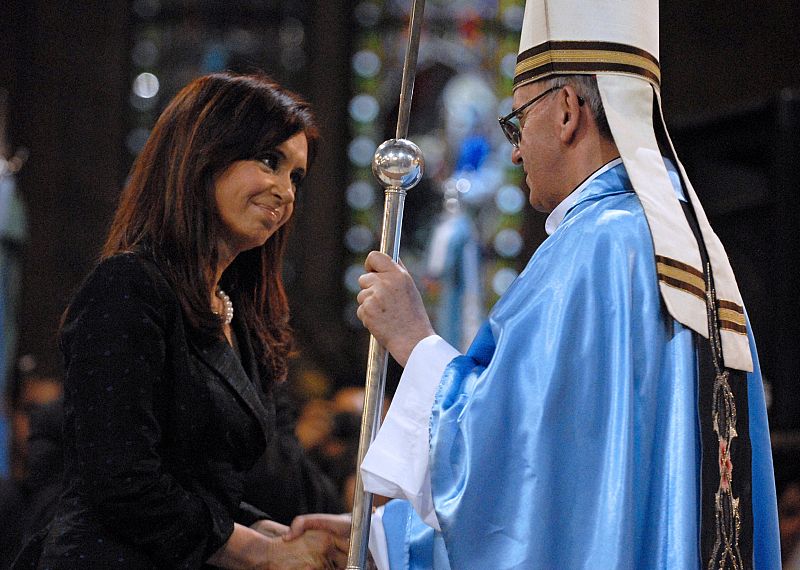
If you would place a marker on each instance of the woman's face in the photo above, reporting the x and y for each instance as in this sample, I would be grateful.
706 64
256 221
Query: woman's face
256 197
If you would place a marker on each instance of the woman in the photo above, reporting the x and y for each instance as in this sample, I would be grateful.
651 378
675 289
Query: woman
175 340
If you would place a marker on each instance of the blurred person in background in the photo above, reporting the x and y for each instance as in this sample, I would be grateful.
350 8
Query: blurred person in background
285 481
29 392
789 520
28 497
329 429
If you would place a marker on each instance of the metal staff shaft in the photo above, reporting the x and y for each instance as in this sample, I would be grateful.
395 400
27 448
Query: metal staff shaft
409 69
373 397
398 165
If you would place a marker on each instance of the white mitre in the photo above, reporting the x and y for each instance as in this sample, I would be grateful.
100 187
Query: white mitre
617 40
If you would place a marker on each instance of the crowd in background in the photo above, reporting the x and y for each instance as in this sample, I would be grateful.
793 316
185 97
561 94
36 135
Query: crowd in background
310 468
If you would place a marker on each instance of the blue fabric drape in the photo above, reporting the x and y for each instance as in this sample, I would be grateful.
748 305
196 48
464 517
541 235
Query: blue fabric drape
567 437
13 235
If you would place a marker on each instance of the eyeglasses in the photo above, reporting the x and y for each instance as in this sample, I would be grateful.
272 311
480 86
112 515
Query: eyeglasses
512 130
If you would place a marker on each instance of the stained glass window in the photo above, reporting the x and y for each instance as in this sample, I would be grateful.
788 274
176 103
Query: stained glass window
174 41
461 233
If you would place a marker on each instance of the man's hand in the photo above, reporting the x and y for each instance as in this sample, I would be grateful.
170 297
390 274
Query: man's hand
313 549
391 307
255 549
338 525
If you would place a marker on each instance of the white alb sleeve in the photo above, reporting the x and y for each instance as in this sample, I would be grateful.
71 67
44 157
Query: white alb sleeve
378 546
397 463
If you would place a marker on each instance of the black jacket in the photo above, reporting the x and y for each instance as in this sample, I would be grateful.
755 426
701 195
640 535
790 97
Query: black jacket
159 428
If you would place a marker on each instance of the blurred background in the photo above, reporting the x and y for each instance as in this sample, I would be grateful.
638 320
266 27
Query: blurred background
81 84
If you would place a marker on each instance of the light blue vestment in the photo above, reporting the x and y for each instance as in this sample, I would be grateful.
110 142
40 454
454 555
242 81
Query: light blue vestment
567 438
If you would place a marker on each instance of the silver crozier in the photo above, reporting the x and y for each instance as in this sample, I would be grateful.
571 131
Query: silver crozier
398 166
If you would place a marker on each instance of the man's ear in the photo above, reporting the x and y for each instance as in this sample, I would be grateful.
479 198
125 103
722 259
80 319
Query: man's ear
570 113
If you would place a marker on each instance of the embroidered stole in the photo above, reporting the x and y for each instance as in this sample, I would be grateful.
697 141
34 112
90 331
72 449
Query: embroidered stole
726 524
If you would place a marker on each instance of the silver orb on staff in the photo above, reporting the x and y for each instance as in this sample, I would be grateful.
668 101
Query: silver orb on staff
398 165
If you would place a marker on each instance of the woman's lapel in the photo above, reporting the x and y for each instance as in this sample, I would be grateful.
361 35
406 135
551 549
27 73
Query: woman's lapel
220 357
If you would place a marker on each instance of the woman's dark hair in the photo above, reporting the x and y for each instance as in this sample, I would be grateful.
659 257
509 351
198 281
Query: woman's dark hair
168 206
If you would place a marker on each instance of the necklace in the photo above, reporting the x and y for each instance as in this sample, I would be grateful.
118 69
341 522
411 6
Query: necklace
227 303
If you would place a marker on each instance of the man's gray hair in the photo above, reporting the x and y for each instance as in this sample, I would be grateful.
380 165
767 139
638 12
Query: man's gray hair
586 86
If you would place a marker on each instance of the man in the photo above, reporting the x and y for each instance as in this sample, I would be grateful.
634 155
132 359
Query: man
610 413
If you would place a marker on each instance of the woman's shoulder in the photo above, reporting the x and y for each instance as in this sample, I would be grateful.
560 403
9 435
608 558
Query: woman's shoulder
124 262
125 271
123 279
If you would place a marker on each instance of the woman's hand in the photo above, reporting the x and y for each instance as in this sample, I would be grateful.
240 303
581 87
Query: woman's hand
251 549
270 528
338 525
390 306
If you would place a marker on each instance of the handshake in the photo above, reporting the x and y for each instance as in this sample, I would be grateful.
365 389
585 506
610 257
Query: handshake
317 541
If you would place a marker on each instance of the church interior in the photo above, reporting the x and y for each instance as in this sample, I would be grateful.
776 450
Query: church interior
81 85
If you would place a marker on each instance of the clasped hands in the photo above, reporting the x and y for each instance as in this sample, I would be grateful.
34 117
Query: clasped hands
338 526
313 542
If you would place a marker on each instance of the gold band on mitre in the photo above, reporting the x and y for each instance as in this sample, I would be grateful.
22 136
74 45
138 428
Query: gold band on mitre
585 57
